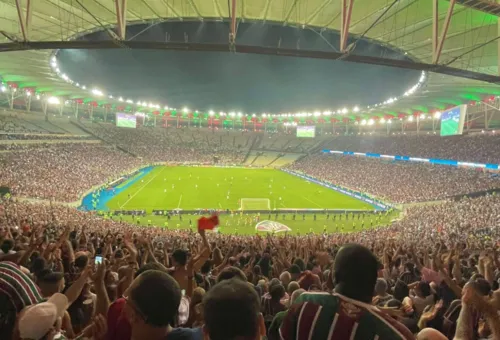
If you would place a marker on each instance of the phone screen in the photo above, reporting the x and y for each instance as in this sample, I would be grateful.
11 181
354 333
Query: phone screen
98 259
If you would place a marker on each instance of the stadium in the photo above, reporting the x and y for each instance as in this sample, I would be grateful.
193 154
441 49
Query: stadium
155 154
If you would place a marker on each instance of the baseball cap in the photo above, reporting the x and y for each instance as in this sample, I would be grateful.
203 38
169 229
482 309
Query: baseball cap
37 320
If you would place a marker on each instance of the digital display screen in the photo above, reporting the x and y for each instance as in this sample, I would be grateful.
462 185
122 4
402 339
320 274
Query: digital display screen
306 131
452 121
126 120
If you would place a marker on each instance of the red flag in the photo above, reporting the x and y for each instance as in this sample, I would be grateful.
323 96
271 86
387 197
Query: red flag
208 223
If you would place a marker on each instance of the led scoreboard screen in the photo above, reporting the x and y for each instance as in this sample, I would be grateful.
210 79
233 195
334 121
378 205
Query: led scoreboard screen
306 131
126 120
452 121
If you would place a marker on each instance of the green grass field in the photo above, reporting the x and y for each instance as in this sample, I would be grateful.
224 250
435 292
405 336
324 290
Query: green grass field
240 225
223 188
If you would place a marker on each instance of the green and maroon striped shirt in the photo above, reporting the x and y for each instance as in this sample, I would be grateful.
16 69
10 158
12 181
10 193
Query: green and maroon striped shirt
325 316
19 287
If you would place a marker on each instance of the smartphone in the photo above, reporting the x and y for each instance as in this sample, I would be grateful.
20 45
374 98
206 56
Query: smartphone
98 259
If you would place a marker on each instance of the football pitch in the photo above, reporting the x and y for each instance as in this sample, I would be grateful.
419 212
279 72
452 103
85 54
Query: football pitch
189 188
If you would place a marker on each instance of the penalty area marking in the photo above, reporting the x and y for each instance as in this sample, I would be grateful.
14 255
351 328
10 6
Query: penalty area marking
180 200
135 193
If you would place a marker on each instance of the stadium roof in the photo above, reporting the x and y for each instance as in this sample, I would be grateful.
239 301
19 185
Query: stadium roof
470 44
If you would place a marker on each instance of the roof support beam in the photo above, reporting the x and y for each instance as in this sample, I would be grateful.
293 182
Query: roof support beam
232 33
438 44
24 19
345 12
121 17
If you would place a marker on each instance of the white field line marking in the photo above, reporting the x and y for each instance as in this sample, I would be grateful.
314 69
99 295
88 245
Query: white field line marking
312 201
220 205
180 200
135 193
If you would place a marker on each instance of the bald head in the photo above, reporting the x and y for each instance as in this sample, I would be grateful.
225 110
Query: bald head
293 286
285 278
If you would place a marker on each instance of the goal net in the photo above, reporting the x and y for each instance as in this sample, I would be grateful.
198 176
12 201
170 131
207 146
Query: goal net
255 204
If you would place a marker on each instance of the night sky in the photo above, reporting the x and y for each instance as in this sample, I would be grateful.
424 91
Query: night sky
225 81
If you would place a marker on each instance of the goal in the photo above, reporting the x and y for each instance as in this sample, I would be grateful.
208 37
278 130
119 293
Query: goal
255 204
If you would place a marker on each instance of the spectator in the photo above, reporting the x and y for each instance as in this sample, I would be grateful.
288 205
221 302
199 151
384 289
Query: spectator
152 304
232 311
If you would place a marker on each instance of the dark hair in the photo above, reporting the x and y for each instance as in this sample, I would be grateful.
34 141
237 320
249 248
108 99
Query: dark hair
300 263
294 269
150 266
424 288
230 273
180 256
231 310
81 261
355 271
157 297
277 292
400 290
7 246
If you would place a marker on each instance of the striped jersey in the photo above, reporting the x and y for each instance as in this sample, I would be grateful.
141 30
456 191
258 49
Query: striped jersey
325 316
18 286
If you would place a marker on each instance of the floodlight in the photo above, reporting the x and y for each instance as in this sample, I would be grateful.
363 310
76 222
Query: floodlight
410 118
53 100
95 91
185 110
211 113
437 115
344 110
356 109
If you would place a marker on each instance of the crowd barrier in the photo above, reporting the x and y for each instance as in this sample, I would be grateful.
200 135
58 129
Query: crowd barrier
449 162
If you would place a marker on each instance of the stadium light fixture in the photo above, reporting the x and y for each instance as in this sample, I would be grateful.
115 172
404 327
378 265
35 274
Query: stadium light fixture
437 115
84 87
344 110
264 115
363 122
95 92
185 110
110 97
356 109
382 120
165 108
410 118
120 99
38 96
211 113
317 114
327 113
422 116
53 100
130 101
253 115
3 88
371 122
239 114
389 121
232 114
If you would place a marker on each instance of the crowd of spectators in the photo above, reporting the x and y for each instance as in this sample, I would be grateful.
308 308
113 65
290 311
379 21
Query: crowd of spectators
396 181
482 148
434 273
62 171
162 145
